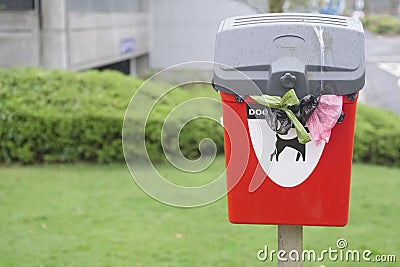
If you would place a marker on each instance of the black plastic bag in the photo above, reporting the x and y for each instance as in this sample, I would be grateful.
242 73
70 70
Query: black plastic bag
280 123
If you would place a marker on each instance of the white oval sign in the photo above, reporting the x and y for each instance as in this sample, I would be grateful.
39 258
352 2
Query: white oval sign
286 162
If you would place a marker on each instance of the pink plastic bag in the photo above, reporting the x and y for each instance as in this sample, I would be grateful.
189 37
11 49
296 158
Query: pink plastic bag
324 118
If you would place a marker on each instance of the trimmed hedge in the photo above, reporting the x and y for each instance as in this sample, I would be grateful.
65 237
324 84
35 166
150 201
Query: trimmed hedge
181 132
61 116
383 24
377 137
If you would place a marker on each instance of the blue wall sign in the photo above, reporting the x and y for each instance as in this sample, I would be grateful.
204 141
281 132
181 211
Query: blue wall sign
127 46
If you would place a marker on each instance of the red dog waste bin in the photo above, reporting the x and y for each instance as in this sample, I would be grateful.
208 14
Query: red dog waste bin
280 180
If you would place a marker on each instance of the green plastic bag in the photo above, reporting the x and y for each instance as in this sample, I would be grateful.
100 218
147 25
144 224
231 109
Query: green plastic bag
283 103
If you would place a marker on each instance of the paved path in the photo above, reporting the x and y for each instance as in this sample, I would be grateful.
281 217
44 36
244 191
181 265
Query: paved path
382 87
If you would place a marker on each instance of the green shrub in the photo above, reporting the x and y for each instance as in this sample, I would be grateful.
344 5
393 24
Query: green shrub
182 133
377 137
61 116
384 24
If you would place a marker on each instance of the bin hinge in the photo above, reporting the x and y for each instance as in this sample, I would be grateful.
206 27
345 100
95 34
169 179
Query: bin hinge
213 86
239 99
352 97
341 118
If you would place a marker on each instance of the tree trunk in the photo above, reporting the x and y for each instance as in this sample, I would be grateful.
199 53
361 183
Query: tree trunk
276 6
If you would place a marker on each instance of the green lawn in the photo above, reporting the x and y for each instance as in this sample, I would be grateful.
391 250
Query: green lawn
89 215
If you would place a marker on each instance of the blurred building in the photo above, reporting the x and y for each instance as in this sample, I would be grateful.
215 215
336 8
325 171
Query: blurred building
129 35
185 30
74 34
382 6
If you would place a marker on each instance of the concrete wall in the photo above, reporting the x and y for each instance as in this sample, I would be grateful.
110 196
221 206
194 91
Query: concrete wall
54 34
96 38
172 31
80 40
184 31
19 38
382 6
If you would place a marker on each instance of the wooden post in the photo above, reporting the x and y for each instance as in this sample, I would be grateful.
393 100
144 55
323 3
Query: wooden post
290 238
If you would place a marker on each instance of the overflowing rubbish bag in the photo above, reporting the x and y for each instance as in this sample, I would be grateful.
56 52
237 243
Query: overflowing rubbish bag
287 118
319 114
278 120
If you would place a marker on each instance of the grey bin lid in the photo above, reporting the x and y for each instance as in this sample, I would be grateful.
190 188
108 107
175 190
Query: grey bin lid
325 54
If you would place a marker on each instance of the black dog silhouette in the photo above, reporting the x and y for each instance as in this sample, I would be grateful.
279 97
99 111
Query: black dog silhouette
281 144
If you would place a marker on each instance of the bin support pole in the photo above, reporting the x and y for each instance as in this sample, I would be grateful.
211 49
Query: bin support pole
290 238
